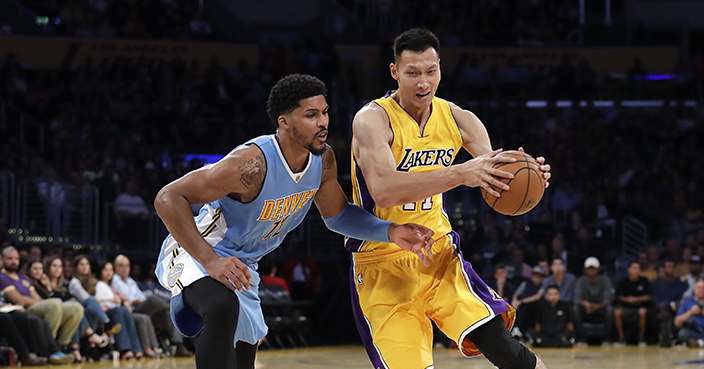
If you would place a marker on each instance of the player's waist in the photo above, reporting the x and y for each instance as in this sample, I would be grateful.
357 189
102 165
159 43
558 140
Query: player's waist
393 252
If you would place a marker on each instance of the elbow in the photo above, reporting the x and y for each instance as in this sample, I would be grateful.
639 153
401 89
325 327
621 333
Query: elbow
161 200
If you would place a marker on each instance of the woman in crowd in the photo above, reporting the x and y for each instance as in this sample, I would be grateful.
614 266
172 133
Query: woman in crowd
145 328
44 288
84 283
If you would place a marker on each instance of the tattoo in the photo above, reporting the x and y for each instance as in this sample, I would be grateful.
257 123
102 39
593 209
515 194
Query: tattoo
328 158
253 172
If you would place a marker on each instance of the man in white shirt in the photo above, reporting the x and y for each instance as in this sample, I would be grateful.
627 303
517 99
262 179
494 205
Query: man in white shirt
156 307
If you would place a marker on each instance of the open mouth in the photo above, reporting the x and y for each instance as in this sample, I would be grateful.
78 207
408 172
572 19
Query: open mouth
323 135
423 95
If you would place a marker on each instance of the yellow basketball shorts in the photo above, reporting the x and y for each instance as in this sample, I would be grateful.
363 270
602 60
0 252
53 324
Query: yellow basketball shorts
394 297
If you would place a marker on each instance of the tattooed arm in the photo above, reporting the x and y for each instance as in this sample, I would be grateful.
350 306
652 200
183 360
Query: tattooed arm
239 175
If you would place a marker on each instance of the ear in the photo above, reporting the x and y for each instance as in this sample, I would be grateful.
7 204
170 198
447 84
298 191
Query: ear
394 71
282 121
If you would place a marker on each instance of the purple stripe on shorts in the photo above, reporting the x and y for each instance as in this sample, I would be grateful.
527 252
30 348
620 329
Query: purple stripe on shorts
477 284
351 244
361 322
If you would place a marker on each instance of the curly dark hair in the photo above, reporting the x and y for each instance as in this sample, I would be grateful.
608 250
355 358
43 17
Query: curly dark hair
288 92
416 40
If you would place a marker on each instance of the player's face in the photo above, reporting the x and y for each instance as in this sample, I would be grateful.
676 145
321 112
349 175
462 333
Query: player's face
418 76
309 124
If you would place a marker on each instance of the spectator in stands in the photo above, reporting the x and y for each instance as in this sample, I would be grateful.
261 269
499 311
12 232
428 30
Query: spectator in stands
553 321
63 317
563 280
17 334
267 270
302 274
131 212
525 301
593 296
42 285
155 306
633 298
500 282
517 268
667 294
690 317
695 272
58 287
143 322
84 284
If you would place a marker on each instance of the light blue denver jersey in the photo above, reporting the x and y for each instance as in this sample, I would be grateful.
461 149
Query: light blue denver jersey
247 231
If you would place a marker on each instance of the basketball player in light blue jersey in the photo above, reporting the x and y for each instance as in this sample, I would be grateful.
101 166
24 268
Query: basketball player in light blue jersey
253 197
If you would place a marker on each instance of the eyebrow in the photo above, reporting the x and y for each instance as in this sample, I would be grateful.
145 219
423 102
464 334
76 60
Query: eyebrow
316 109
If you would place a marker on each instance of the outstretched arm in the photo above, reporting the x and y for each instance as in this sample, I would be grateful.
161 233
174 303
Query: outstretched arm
240 174
371 147
350 220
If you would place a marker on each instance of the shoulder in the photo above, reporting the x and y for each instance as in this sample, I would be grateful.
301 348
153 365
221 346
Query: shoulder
328 158
371 114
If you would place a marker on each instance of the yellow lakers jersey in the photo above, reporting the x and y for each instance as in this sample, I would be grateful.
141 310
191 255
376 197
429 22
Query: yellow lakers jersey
435 147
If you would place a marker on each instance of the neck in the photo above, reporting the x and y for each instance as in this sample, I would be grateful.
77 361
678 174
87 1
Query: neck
558 276
593 279
419 113
295 155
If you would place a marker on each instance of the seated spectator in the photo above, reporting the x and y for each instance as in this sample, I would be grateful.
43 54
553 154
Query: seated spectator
695 272
565 281
553 321
593 296
633 298
41 284
156 306
667 293
690 317
93 313
131 212
83 282
302 274
143 323
267 270
19 338
525 301
500 282
63 318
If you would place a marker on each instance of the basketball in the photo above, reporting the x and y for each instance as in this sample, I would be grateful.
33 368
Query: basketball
526 187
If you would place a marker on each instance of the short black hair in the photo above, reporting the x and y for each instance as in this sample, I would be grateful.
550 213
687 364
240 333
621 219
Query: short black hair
417 40
287 93
551 287
557 257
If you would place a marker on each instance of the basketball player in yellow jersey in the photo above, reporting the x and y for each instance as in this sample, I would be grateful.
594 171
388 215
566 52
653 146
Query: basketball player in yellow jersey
403 147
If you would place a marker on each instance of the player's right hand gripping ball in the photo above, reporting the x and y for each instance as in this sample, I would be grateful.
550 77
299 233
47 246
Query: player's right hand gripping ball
526 187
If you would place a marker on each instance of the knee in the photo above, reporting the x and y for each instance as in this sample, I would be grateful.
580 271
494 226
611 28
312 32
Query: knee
618 313
642 312
224 307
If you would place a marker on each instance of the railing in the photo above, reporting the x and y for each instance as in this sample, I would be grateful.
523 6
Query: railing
56 212
7 197
634 237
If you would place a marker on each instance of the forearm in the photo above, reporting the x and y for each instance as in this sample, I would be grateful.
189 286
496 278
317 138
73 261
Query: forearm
175 212
416 186
682 318
358 223
533 298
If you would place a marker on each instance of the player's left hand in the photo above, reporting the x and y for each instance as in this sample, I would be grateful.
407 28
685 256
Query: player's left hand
545 168
414 238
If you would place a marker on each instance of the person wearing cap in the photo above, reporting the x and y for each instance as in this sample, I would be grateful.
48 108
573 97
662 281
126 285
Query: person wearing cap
525 300
593 296
695 272
667 294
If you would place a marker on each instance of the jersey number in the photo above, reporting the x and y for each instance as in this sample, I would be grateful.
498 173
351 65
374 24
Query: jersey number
427 204
275 229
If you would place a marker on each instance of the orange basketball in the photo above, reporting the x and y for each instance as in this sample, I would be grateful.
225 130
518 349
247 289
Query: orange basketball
526 187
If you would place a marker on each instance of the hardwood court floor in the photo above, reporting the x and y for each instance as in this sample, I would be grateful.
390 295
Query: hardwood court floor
354 357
